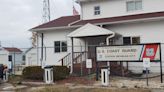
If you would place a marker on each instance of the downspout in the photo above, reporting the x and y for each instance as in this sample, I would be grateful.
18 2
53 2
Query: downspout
37 48
109 37
42 62
71 71
107 43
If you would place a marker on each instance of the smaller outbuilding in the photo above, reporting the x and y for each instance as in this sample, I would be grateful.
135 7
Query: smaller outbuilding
30 57
10 56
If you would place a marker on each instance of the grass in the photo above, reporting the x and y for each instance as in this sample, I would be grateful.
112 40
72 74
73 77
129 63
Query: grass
53 89
66 89
15 79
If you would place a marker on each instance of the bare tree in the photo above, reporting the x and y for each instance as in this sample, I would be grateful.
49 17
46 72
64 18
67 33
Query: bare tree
33 39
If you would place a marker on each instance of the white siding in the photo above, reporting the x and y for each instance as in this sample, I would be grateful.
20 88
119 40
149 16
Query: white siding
3 57
31 57
16 58
150 32
51 57
112 8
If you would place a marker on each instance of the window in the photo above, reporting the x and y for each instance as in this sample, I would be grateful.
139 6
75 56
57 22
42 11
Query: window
97 10
135 40
126 40
57 46
60 46
64 46
24 58
10 58
134 5
131 40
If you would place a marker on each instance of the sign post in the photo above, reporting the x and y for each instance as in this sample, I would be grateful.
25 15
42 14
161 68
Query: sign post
89 65
146 64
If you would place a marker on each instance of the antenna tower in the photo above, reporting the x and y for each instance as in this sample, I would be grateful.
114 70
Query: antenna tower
46 11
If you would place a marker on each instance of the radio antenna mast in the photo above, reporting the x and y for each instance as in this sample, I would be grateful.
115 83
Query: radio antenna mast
46 11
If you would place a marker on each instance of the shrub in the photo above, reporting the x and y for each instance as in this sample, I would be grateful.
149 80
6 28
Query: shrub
33 73
36 73
60 72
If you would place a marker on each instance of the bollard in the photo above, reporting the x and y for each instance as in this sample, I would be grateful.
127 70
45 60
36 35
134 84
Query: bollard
48 75
104 77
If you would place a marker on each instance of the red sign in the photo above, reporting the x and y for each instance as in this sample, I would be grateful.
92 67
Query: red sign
150 51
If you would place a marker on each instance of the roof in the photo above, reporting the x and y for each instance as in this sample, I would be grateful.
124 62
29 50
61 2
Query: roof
12 49
28 50
79 1
75 20
62 21
121 18
90 30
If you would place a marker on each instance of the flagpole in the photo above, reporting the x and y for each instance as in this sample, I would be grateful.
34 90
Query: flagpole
72 5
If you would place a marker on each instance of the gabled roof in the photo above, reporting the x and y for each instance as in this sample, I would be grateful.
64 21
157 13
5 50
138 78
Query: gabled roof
75 20
80 1
28 50
12 49
90 30
62 21
121 18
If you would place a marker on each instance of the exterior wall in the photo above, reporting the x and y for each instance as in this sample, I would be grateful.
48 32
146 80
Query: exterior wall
149 32
17 58
31 57
113 8
4 57
49 56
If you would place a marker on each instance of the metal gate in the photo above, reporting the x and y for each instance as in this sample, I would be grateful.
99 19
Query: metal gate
1 71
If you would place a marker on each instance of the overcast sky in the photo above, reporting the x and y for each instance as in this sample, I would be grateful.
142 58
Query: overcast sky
18 16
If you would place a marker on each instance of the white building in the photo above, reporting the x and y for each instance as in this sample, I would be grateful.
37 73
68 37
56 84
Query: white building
126 21
30 57
10 56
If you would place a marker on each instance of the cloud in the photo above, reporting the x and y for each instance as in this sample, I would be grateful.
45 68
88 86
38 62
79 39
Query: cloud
18 16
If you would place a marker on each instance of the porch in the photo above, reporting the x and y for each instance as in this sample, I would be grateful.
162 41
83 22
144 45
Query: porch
90 36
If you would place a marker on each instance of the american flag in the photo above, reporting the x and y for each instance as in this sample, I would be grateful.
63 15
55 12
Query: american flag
75 12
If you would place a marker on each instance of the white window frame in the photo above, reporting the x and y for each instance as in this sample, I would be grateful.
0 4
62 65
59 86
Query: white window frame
135 7
61 50
97 11
135 37
131 39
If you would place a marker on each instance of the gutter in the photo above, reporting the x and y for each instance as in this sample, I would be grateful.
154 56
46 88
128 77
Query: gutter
54 28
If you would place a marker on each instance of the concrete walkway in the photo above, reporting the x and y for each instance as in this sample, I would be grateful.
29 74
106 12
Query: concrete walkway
7 87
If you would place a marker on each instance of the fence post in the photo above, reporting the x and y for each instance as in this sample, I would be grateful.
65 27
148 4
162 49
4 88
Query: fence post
161 63
62 62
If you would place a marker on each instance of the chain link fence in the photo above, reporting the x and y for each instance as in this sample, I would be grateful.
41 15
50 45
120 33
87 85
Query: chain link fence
63 56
